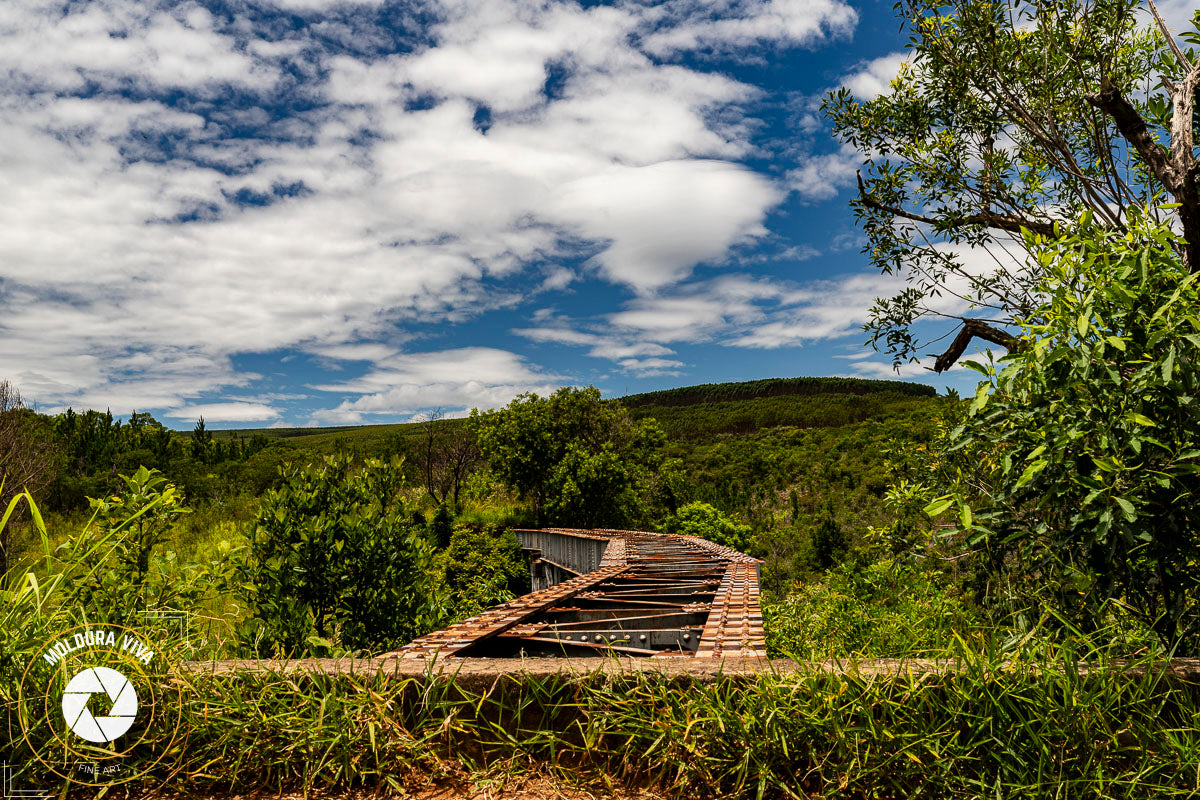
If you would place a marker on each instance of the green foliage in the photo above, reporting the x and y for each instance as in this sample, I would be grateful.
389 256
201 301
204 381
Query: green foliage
1081 473
131 573
1008 114
482 566
784 481
1114 729
879 610
706 393
336 555
829 542
95 448
708 420
704 521
144 512
579 459
441 527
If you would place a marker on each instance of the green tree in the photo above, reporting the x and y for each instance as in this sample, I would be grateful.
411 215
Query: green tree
482 566
144 512
202 442
830 543
579 459
1080 470
704 521
1013 116
336 555
441 528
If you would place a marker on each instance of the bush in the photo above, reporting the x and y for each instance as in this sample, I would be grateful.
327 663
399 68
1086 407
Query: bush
336 555
1079 463
482 566
704 521
884 610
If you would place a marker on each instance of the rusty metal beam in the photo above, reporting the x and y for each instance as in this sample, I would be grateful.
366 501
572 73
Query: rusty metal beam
650 594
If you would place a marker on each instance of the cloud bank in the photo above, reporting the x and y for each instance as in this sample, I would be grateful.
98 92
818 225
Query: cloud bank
188 184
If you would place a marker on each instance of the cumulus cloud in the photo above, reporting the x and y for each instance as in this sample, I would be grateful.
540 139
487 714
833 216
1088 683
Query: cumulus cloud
741 311
731 24
226 412
874 77
455 380
634 356
183 188
823 176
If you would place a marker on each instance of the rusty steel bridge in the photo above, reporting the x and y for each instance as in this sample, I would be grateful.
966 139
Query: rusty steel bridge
627 593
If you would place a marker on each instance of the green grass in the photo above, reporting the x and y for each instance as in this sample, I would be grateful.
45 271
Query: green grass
979 729
1018 723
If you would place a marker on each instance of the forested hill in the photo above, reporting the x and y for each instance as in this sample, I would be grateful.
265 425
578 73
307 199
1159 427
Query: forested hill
699 412
773 387
690 412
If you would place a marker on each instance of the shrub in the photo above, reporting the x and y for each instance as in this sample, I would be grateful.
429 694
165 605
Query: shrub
706 522
335 555
1079 468
482 566
884 610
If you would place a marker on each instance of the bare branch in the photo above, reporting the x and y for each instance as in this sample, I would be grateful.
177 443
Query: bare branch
1131 125
971 329
1162 26
987 218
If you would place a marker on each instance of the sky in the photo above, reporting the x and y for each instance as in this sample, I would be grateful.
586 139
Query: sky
329 212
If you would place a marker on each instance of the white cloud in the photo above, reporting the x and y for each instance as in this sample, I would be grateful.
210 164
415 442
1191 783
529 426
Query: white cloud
651 367
110 42
886 371
874 77
821 177
629 353
226 412
663 219
702 24
404 384
133 276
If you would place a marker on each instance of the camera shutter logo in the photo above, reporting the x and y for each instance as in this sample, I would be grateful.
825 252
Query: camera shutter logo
100 707
77 704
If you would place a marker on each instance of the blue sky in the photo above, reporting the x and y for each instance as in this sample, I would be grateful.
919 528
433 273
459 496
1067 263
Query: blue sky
313 212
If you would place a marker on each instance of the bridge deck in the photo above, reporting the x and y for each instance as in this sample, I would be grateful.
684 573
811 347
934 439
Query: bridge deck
633 593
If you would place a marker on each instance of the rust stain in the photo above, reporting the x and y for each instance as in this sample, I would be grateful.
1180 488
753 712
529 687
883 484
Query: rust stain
653 594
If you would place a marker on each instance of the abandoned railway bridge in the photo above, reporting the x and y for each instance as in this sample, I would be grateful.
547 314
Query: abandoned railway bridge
629 593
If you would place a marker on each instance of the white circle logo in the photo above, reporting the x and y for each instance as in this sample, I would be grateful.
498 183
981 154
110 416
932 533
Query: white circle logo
121 694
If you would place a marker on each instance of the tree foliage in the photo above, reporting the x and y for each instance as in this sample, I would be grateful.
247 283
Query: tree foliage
119 567
480 567
1013 116
579 459
1080 474
335 555
704 521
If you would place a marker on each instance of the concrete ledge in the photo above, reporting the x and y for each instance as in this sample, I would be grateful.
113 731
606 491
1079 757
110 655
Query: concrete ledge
480 673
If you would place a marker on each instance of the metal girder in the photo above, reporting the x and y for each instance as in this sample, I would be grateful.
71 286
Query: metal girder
641 594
